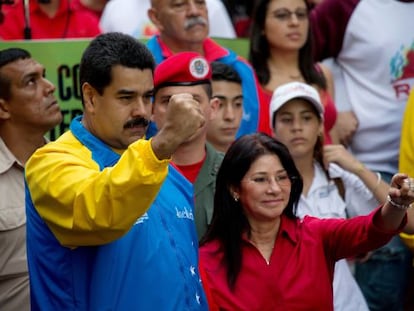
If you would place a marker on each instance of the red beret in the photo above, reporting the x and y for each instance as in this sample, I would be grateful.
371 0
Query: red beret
185 68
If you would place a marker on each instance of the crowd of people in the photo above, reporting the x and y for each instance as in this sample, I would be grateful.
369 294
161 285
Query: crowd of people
196 179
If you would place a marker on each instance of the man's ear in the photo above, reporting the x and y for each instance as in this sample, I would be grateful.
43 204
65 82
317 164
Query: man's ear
89 93
153 16
214 104
4 109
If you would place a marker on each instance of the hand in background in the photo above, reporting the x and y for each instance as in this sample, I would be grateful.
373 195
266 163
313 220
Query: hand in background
339 155
346 124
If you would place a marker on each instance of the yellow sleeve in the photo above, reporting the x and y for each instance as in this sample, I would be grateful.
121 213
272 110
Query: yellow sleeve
85 206
406 161
408 240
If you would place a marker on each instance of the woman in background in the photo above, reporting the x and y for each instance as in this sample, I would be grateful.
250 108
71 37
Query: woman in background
257 255
335 184
281 52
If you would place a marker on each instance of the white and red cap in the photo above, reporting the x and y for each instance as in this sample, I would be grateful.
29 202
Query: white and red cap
292 90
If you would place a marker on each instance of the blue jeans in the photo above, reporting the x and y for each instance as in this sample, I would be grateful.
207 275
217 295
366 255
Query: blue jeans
383 278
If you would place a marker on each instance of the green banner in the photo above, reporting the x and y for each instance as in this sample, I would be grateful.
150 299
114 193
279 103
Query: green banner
61 60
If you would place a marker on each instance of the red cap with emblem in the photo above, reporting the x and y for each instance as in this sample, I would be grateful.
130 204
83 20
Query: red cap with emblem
185 68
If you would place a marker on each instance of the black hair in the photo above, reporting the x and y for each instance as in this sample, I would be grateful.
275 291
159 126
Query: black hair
229 222
8 56
259 51
108 50
224 72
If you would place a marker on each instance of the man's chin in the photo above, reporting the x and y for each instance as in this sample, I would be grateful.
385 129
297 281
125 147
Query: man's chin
197 35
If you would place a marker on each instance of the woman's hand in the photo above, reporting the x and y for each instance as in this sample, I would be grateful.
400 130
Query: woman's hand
339 155
400 198
401 192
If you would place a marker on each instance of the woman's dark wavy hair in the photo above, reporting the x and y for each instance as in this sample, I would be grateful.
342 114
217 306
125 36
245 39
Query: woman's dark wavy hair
108 50
259 51
229 222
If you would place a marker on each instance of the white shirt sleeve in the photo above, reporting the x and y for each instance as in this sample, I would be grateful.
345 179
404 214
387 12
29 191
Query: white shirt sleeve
221 25
358 198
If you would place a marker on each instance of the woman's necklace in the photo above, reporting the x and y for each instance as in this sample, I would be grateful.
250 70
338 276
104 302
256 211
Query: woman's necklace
265 250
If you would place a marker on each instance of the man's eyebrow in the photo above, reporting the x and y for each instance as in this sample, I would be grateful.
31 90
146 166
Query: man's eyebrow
126 92
30 75
197 97
219 96
165 97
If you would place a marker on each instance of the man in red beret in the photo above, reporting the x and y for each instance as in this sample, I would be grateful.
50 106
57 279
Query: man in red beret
198 161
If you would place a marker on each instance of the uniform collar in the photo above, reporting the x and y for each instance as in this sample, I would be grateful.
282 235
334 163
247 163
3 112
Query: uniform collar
212 50
7 159
289 229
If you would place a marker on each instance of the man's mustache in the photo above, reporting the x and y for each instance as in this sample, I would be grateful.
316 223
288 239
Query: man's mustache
192 21
137 122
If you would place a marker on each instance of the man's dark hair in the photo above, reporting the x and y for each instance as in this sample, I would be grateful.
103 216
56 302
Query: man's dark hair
224 72
8 56
108 50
